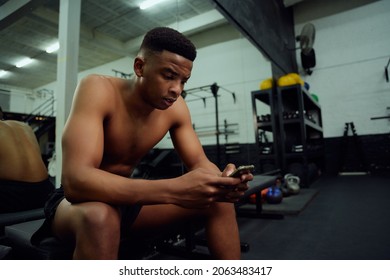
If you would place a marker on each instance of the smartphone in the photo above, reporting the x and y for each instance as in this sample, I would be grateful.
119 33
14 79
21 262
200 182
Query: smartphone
243 169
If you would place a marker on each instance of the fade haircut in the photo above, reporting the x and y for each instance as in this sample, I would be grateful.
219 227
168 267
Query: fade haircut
165 38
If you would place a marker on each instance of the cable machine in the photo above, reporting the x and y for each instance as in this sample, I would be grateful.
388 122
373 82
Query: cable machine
213 89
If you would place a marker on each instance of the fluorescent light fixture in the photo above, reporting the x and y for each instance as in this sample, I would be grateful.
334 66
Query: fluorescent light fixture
149 3
23 62
3 73
53 48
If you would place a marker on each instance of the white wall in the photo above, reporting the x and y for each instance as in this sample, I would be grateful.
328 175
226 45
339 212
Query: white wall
352 48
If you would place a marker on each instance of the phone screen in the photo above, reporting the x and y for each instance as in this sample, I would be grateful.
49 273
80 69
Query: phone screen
243 169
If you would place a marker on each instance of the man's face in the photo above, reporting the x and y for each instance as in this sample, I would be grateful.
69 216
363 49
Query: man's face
163 78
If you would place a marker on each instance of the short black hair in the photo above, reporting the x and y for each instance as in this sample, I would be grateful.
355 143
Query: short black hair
165 38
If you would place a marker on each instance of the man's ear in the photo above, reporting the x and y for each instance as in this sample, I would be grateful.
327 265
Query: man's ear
139 66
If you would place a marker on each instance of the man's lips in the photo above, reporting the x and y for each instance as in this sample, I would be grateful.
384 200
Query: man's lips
170 100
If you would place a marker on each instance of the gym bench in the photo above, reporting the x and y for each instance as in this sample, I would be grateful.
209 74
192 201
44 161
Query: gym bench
8 219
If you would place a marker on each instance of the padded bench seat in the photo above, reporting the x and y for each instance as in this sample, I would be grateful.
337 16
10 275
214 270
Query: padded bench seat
20 217
11 218
18 237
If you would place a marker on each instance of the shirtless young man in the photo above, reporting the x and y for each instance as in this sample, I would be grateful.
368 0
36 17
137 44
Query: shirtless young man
24 180
113 123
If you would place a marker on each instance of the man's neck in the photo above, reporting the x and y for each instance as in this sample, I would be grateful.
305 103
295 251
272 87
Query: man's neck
136 105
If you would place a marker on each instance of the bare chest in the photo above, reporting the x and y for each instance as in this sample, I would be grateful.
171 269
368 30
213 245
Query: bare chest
127 141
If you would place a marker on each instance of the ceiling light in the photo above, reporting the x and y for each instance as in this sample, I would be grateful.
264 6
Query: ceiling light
53 48
2 73
23 62
149 3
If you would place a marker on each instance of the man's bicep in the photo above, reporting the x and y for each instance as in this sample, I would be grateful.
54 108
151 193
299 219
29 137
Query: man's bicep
188 146
185 140
83 140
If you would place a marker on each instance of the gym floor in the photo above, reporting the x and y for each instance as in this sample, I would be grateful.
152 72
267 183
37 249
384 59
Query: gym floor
349 219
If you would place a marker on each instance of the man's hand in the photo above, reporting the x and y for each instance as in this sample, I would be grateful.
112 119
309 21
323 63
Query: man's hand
245 178
201 187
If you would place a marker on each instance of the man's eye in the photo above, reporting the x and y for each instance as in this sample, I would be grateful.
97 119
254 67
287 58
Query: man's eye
169 77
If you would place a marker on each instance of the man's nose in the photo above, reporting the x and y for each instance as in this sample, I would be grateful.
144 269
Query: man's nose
176 88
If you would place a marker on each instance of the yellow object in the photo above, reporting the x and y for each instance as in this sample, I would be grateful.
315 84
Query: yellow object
266 84
297 78
290 79
286 80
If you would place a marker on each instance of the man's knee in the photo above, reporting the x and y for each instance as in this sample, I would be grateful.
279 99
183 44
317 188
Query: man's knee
100 216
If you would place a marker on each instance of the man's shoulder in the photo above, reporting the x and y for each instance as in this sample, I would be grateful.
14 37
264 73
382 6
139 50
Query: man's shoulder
99 77
104 82
105 91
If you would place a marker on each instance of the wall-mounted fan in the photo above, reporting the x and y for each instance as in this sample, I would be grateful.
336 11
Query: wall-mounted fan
306 41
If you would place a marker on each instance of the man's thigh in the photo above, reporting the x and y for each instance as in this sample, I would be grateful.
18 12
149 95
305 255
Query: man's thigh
164 216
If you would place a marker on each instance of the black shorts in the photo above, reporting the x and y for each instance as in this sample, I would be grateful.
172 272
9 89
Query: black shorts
129 214
22 196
